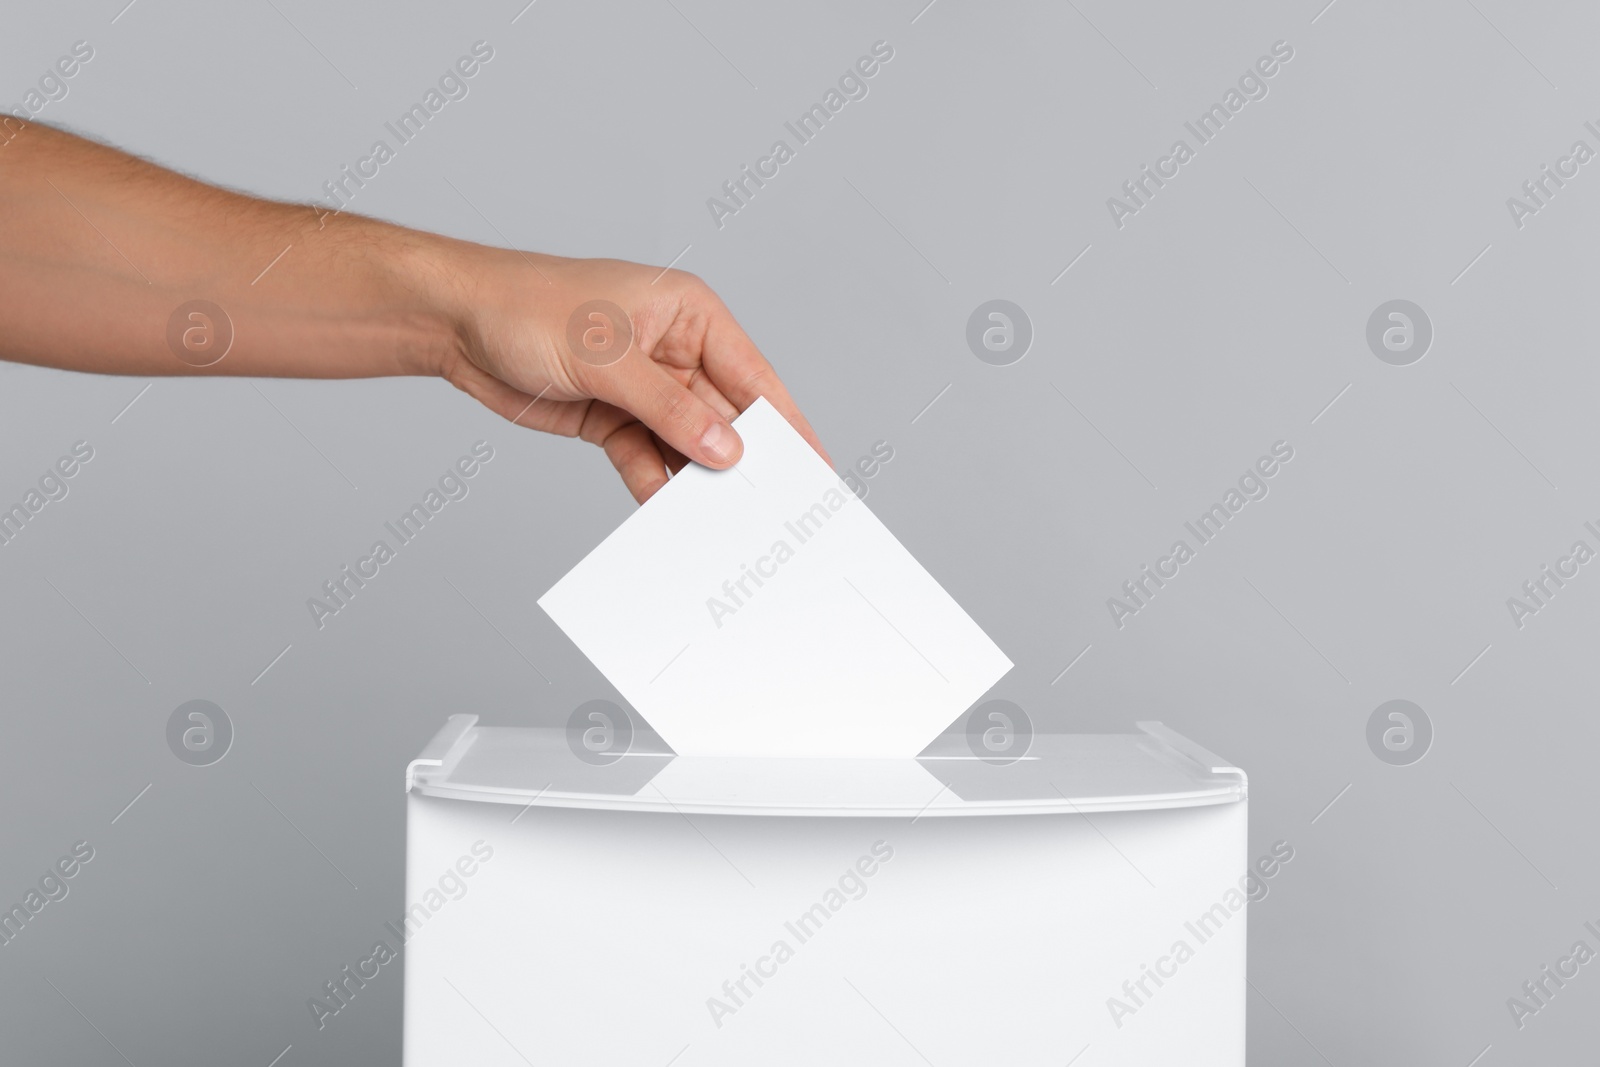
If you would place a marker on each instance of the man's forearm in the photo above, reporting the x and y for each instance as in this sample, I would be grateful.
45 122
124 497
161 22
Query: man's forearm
99 251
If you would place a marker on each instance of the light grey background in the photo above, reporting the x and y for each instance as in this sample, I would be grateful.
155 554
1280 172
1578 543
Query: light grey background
1225 316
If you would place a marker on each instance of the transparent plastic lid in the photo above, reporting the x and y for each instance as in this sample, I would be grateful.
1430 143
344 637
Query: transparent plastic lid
1058 773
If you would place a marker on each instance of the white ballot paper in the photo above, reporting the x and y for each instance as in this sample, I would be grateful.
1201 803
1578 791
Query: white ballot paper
764 611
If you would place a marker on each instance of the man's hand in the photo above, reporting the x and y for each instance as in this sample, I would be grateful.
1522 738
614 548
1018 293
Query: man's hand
648 364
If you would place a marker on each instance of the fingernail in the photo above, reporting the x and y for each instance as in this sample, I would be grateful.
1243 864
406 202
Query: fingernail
721 442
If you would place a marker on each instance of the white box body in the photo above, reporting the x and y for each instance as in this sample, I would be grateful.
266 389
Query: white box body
705 919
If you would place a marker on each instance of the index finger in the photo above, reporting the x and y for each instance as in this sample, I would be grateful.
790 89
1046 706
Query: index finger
736 367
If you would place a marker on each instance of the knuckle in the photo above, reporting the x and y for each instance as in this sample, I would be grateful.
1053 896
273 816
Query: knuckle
685 282
679 406
622 444
626 455
758 380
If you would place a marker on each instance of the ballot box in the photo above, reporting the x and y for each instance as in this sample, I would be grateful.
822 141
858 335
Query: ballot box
569 904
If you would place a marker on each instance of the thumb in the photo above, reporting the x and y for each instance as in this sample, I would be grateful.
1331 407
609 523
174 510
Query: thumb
677 416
